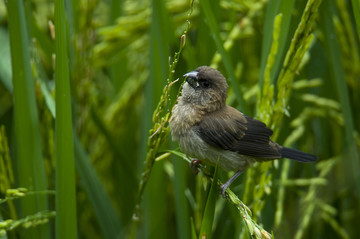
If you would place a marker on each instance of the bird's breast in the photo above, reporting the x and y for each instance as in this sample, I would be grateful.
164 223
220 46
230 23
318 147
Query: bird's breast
183 118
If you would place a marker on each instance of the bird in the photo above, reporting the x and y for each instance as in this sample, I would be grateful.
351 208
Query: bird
210 131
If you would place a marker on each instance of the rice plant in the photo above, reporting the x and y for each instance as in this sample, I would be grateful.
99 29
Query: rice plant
86 92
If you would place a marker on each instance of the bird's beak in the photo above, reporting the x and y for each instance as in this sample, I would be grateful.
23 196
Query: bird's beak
192 79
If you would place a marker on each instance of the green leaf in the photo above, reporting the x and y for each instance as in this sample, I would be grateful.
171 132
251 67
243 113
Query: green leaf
66 223
333 50
181 203
215 33
193 231
208 217
154 195
5 60
356 10
105 212
274 8
30 171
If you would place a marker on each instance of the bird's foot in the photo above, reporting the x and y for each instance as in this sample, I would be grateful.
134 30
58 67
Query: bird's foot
228 183
223 190
195 164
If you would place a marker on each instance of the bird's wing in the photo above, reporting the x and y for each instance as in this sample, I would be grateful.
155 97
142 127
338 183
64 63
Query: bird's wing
231 130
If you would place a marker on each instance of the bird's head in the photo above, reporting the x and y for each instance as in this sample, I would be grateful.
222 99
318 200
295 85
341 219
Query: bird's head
206 88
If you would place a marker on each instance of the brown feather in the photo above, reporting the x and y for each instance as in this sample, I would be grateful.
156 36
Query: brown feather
229 129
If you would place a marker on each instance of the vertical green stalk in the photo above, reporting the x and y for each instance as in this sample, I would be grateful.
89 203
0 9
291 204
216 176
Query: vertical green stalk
30 171
356 10
118 69
5 61
297 49
64 149
181 203
154 196
71 27
209 211
273 9
106 215
338 73
265 103
215 32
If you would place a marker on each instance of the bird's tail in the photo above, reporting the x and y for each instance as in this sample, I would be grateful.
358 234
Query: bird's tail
297 155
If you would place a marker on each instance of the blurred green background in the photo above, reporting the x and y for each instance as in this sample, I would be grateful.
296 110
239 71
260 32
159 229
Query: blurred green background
293 64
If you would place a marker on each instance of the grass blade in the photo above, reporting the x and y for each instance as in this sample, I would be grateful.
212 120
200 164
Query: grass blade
181 203
339 78
205 5
5 62
273 9
105 212
66 226
31 173
193 231
356 10
208 218
159 42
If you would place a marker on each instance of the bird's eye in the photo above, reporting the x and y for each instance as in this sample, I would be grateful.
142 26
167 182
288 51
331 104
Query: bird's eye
204 83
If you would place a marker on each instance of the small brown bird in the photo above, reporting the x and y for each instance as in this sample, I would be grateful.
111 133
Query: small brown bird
207 129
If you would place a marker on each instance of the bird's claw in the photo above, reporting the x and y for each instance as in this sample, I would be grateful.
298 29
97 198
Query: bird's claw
195 164
223 190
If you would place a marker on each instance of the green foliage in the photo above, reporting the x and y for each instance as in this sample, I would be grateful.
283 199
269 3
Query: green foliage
102 143
30 221
209 211
213 25
65 221
31 173
110 224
